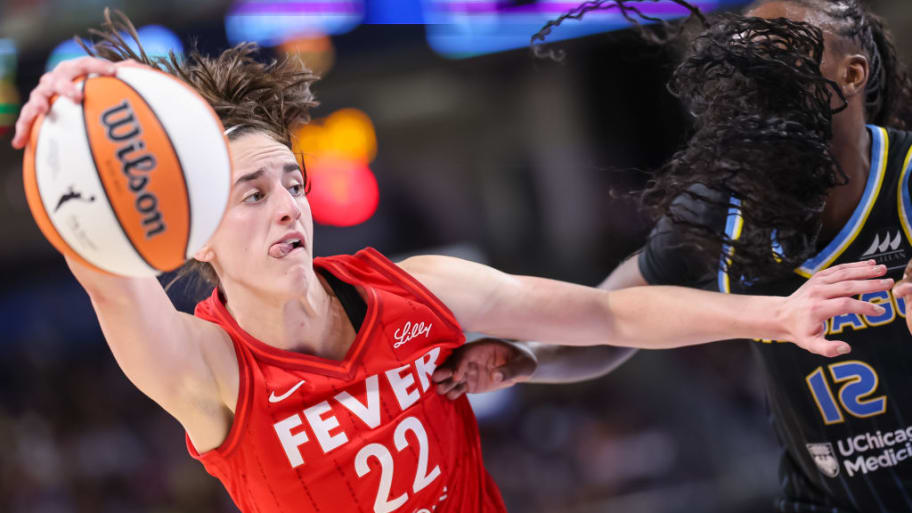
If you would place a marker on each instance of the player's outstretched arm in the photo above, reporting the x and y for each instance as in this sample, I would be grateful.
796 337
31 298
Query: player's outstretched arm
567 364
492 364
170 356
521 307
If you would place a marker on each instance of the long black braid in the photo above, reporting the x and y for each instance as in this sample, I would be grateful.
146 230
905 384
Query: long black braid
762 123
661 34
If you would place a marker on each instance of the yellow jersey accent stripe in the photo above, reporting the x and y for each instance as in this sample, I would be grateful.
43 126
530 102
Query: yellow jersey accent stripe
733 227
903 202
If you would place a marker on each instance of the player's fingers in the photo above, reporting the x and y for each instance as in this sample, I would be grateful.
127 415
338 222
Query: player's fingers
460 370
59 81
445 386
514 370
40 95
128 63
471 372
828 348
828 272
456 391
902 289
27 116
850 272
73 68
855 287
441 374
68 89
845 305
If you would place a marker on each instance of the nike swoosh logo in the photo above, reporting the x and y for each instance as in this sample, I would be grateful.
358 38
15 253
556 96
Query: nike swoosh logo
274 398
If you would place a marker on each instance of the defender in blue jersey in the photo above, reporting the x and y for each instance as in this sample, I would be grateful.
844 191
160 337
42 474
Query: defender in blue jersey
799 161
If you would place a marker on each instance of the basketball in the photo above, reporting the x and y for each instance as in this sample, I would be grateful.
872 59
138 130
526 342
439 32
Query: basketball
132 181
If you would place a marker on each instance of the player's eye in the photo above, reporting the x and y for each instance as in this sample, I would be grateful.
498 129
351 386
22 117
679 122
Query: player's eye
296 189
253 197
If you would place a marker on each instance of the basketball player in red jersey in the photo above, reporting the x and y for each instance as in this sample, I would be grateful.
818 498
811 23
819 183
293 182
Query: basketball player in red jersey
304 383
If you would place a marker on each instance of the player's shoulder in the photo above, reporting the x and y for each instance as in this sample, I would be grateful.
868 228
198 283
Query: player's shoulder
700 201
898 142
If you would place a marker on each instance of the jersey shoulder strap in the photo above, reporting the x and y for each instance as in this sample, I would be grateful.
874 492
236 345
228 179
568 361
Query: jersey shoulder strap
369 268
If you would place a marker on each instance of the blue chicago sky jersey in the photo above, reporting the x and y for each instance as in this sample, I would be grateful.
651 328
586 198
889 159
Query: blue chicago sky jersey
846 422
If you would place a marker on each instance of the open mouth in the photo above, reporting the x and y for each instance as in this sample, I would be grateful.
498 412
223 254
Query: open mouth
285 246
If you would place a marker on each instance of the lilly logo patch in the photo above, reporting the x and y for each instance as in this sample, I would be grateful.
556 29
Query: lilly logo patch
410 331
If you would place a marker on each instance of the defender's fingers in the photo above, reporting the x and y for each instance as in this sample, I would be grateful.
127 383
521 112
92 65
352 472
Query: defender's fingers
514 369
460 369
456 392
441 374
855 287
844 305
445 386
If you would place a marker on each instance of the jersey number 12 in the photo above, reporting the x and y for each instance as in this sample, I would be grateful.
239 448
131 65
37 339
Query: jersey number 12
858 379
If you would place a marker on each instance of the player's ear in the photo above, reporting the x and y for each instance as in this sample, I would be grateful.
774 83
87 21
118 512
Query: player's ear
205 254
854 74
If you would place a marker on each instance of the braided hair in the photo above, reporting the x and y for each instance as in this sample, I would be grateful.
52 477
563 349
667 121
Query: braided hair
662 33
762 125
888 94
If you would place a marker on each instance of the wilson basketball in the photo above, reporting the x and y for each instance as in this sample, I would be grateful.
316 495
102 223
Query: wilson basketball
132 181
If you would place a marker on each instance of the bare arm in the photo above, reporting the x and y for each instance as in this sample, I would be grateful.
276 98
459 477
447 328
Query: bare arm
568 364
172 357
492 364
521 307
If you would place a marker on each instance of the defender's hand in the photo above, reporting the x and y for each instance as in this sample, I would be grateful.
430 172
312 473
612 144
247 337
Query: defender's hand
827 294
59 82
482 366
903 289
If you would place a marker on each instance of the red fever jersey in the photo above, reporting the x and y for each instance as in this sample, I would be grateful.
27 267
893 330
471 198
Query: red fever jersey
367 434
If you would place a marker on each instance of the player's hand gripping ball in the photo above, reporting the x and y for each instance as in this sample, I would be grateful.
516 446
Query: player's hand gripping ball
133 178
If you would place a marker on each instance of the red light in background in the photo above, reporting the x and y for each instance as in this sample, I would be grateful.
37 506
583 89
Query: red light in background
343 191
337 151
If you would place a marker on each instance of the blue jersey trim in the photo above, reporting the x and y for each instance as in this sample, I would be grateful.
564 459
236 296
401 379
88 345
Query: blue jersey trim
733 225
904 204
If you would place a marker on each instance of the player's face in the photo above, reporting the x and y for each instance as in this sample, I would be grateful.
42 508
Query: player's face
831 63
265 240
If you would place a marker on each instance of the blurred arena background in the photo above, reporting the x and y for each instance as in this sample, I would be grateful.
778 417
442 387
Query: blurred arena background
438 132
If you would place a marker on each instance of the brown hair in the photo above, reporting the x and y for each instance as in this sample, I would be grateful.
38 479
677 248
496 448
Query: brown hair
272 97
